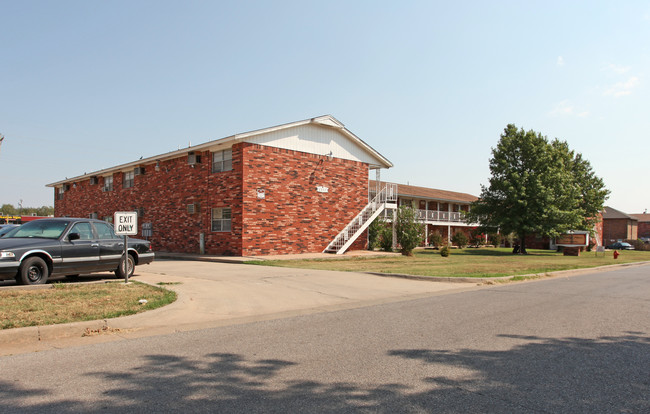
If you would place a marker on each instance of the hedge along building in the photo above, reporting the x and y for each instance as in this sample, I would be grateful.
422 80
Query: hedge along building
286 189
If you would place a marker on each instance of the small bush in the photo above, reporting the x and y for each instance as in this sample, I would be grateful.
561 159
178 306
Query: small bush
435 239
459 239
495 239
373 232
385 238
476 238
444 251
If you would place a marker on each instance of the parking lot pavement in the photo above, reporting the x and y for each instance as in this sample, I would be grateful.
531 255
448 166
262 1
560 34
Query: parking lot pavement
217 294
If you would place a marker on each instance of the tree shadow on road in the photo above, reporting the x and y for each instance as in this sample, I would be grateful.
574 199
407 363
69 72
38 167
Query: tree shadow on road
536 375
607 374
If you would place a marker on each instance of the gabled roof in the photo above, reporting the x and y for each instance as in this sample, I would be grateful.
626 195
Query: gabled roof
404 190
611 213
643 217
326 121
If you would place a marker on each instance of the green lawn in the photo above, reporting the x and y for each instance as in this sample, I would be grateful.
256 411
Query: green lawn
485 262
65 303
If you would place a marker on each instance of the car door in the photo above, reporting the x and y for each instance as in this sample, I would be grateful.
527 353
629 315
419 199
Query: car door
80 255
111 247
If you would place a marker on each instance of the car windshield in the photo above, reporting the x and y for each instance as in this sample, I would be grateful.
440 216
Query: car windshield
46 229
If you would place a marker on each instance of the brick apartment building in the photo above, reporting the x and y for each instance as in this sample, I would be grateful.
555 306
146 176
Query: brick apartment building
643 229
440 210
618 226
285 189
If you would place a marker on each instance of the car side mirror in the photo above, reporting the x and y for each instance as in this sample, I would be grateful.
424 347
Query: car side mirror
74 236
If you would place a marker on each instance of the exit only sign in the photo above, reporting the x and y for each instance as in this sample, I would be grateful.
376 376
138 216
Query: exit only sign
126 223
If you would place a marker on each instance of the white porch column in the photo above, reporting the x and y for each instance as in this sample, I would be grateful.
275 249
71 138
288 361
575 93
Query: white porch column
426 233
394 229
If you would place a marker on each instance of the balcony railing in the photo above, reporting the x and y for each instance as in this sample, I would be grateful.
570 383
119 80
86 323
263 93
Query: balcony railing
431 215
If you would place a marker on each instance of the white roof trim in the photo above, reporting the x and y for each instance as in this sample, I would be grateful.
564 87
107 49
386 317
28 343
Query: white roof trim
325 120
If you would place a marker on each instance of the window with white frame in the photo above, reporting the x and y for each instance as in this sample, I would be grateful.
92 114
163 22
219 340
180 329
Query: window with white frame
221 219
59 193
127 181
108 183
222 161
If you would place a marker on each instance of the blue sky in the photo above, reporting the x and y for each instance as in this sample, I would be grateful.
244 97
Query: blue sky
86 85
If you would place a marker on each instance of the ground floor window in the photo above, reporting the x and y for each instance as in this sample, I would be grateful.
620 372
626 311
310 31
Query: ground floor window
221 219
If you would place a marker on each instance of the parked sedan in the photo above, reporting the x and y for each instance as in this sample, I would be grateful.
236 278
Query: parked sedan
620 246
67 246
6 228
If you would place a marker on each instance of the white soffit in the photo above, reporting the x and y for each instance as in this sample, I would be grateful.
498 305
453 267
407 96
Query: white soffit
320 136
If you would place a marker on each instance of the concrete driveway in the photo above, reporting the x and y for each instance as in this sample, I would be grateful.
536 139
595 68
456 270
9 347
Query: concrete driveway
216 294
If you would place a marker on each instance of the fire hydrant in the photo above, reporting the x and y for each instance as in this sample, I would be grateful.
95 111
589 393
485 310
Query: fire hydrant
616 254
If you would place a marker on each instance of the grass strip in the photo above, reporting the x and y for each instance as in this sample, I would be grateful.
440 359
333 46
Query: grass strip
484 262
66 303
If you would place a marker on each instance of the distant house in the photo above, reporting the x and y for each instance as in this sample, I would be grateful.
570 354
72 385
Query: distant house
618 226
644 224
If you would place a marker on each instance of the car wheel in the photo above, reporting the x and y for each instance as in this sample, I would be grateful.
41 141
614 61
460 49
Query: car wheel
120 272
34 271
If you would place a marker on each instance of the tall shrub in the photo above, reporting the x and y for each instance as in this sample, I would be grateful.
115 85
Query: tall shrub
410 231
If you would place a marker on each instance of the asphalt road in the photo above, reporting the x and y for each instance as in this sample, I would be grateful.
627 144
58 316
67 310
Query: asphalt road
562 345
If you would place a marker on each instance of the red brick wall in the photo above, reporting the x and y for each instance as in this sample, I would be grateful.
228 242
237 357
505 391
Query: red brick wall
293 218
618 229
164 196
644 229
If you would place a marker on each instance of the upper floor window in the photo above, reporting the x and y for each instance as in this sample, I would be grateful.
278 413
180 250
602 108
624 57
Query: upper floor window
108 183
127 182
222 161
221 219
59 193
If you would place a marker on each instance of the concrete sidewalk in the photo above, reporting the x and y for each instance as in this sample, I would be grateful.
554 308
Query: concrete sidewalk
297 256
212 294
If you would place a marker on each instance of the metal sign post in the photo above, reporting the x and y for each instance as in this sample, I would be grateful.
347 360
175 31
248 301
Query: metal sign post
126 224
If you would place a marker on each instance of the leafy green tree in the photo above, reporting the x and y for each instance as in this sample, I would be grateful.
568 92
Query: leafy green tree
8 209
537 187
410 231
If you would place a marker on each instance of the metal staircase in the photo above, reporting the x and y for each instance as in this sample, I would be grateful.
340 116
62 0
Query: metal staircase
386 198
